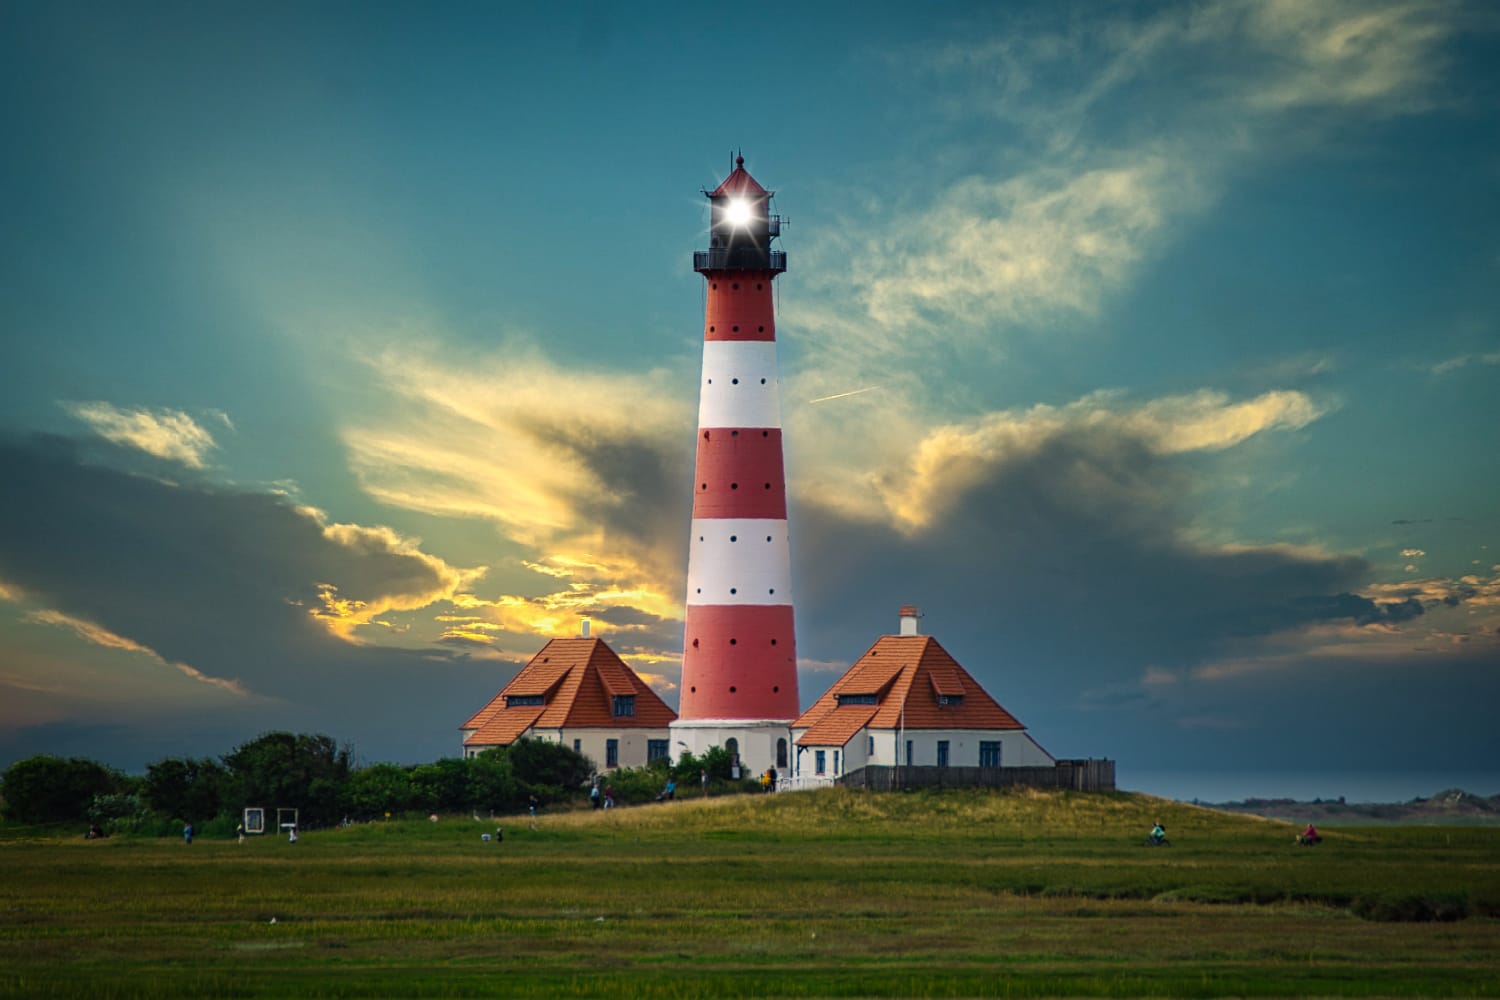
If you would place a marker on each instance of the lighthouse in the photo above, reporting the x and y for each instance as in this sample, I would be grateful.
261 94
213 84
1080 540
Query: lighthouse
739 660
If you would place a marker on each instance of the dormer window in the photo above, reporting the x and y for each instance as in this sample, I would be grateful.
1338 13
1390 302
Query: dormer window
518 700
947 700
858 699
624 705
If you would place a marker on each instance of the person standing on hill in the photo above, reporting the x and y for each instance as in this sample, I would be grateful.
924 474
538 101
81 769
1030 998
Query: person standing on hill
187 833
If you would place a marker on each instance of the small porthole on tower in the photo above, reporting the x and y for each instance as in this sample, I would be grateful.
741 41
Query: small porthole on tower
760 329
705 435
734 434
765 434
758 286
694 689
768 486
734 381
735 286
773 642
710 328
734 642
771 591
775 688
734 486
700 590
734 590
768 538
735 328
695 646
734 538
732 689
762 381
703 486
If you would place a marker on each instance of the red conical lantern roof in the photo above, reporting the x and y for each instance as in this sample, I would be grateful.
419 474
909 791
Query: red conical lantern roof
740 183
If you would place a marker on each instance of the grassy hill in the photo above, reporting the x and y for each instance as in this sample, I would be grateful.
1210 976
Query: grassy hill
832 893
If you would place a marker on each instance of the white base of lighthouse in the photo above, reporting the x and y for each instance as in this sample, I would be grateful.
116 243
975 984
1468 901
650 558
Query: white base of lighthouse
759 743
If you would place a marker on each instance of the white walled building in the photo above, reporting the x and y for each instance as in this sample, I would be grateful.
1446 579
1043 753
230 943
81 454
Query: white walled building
907 702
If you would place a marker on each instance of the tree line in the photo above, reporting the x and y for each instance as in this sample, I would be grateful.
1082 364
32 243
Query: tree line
318 777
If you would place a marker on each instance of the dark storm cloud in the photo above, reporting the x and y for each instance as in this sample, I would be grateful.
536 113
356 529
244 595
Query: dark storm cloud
1074 549
647 505
225 582
1061 574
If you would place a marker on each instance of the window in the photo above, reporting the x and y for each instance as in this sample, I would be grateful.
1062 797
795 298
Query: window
989 753
871 748
835 762
942 753
908 753
820 762
611 753
858 699
512 700
781 754
578 746
949 700
624 704
657 750
732 746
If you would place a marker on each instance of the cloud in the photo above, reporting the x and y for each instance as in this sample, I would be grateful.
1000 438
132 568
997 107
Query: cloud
1018 249
167 434
922 474
584 472
1087 191
90 632
1453 364
1382 55
231 586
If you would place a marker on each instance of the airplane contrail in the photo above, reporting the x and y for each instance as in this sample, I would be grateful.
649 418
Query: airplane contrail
841 395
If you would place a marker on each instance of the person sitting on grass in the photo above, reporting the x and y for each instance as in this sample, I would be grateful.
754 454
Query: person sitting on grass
1158 835
1310 837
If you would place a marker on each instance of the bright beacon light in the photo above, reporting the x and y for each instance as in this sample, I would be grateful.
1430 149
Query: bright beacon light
737 213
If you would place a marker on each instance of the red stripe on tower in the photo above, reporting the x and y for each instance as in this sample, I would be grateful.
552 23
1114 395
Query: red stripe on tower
739 660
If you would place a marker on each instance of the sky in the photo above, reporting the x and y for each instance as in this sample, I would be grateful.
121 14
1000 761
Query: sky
349 352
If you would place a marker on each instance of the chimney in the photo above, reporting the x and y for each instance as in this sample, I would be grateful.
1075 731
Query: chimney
585 628
909 616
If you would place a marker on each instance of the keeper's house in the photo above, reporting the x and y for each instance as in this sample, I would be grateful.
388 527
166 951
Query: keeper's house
906 703
577 692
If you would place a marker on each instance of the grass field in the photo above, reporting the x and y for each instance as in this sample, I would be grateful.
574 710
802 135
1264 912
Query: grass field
814 894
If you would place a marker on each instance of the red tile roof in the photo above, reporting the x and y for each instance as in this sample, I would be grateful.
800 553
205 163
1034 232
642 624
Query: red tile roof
907 674
577 680
739 182
838 727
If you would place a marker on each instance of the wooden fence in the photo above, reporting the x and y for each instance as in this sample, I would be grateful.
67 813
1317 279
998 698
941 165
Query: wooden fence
1082 775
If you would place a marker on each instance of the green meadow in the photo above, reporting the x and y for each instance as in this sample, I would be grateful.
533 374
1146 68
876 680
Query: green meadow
818 894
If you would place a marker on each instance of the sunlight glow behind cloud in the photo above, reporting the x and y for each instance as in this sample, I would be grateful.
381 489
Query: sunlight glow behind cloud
169 434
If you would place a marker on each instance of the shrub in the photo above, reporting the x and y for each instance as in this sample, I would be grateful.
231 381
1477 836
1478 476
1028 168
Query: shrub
44 789
1393 908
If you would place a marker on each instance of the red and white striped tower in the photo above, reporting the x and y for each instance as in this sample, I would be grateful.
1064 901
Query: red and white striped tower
739 662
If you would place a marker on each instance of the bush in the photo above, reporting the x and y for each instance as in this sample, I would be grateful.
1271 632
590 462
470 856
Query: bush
43 789
191 789
1442 907
550 771
279 770
636 785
